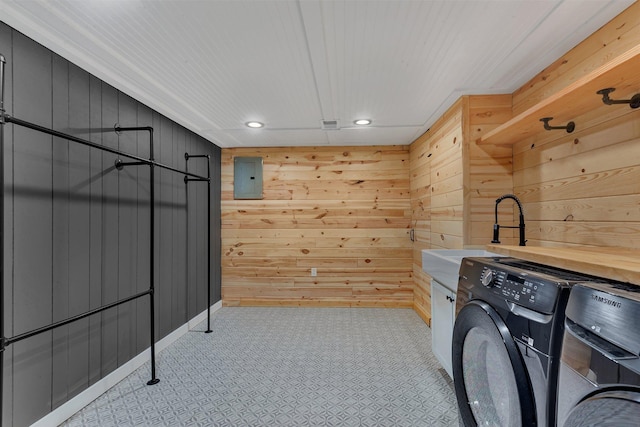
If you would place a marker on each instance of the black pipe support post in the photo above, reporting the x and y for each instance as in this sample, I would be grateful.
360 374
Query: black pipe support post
152 201
2 310
187 156
152 208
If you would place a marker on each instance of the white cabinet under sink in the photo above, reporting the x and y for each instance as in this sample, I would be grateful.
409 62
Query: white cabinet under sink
443 311
443 266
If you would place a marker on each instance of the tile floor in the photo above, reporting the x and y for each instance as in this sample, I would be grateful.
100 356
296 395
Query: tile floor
288 367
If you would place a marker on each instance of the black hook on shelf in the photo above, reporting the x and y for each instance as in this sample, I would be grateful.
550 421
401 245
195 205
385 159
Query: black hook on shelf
570 127
634 102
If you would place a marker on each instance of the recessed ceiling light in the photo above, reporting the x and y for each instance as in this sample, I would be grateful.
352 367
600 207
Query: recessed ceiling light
362 122
254 125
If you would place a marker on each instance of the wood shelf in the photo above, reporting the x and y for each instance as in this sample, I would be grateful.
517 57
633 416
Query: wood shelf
574 100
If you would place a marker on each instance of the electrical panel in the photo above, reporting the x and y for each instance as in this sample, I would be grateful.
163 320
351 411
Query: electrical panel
247 178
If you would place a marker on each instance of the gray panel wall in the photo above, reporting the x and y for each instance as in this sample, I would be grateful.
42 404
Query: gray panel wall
77 230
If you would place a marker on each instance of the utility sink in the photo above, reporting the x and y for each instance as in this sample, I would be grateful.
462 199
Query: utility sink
443 265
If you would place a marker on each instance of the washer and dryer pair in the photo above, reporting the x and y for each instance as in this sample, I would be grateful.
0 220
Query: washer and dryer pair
509 340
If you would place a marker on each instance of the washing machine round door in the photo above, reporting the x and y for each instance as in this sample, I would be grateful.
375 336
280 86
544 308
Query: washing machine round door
617 406
490 379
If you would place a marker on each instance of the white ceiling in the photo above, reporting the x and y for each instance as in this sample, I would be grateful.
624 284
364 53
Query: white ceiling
214 65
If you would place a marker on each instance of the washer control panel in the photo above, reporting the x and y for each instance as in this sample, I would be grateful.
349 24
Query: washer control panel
523 289
526 284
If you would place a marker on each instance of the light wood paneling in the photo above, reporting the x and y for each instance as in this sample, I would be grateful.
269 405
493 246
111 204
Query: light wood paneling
437 197
454 184
345 211
489 171
421 155
583 188
445 189
578 98
615 38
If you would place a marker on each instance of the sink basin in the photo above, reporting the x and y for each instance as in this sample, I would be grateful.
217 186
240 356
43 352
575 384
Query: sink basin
443 264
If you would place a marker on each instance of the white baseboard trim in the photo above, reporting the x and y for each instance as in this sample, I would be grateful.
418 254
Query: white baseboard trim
68 409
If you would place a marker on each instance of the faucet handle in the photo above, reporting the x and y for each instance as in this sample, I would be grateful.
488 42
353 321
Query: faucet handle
496 232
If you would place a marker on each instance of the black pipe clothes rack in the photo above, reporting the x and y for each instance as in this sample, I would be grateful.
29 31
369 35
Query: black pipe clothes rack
131 160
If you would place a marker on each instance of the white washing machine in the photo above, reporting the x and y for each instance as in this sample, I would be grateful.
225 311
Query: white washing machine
599 381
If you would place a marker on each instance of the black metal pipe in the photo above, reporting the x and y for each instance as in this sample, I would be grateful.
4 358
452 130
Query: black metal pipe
187 156
37 331
129 128
160 165
187 179
120 164
208 331
634 102
140 161
2 311
152 203
2 62
4 118
62 135
570 127
152 216
58 134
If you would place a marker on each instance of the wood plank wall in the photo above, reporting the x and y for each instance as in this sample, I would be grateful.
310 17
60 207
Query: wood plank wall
454 184
420 168
614 38
77 230
342 210
436 197
488 172
583 188
447 179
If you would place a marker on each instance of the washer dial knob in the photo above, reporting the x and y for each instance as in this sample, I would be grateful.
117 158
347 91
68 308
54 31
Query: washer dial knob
487 277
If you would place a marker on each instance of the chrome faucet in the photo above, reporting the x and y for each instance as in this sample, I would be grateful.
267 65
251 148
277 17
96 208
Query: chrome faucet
496 226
